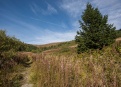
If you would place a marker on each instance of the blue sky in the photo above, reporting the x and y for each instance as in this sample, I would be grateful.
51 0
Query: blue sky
46 21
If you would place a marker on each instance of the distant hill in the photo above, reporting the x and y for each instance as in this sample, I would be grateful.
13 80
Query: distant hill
49 44
57 45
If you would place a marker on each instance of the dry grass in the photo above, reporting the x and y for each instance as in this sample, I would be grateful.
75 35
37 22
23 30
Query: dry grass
93 69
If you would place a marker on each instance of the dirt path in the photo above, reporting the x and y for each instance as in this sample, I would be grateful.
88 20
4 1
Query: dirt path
26 75
27 72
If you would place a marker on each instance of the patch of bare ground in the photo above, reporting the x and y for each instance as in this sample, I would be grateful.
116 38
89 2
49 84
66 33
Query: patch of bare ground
118 39
26 82
73 46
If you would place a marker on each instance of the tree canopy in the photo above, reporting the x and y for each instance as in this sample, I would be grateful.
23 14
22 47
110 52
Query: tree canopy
95 32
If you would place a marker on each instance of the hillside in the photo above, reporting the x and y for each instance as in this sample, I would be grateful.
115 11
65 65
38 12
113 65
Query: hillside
12 62
62 67
60 43
59 46
58 65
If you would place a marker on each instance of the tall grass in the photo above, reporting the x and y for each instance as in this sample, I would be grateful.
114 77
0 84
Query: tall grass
92 69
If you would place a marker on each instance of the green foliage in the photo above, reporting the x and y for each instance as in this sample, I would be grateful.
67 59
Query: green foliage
9 59
7 43
8 48
9 74
96 32
118 33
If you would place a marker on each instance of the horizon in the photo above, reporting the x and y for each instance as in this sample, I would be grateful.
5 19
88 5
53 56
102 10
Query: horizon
41 22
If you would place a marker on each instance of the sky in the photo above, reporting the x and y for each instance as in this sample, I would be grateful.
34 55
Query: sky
47 21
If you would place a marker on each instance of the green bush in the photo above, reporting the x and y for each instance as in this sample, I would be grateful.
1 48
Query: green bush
10 59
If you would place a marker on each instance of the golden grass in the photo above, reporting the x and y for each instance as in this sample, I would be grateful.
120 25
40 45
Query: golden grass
92 69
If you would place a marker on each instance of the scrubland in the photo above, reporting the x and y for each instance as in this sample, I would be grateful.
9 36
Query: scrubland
58 65
65 68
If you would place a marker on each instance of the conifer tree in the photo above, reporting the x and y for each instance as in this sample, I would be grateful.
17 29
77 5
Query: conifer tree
95 32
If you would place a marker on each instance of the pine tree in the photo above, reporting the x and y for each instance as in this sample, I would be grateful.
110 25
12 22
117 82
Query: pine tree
95 32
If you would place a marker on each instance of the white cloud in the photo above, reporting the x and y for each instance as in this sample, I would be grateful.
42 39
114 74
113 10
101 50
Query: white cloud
42 36
115 18
34 34
104 3
51 9
73 7
63 25
75 25
36 9
37 35
51 36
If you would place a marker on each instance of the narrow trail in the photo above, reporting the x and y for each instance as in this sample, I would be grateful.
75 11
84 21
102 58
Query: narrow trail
27 71
26 82
35 57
